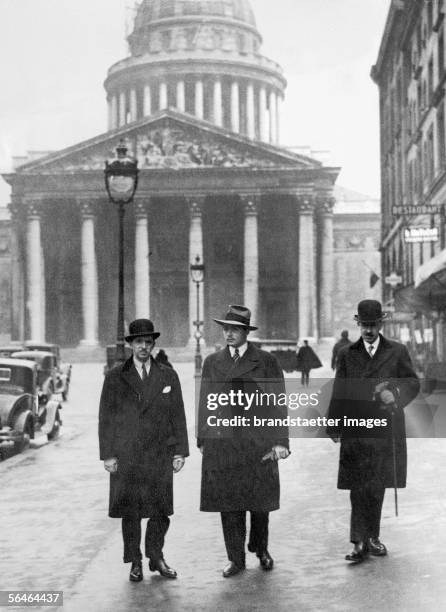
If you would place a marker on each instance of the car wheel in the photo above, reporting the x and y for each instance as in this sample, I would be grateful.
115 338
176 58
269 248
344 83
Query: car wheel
55 431
65 392
23 443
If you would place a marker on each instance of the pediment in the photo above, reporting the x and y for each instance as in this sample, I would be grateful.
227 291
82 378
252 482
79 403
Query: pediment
171 140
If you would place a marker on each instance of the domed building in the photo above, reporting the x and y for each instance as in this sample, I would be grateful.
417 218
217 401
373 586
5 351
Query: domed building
198 106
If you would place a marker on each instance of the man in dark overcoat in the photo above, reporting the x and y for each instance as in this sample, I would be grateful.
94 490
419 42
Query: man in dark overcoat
374 381
143 440
239 468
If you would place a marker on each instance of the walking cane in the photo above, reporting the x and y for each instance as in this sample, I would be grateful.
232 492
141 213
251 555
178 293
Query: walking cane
395 483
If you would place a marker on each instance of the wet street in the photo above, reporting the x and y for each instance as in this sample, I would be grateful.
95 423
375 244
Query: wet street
55 533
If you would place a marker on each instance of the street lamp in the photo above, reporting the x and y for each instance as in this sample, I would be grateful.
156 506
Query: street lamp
197 275
121 180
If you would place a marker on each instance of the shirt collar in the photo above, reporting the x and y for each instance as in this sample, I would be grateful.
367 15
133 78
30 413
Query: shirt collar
374 344
241 349
138 364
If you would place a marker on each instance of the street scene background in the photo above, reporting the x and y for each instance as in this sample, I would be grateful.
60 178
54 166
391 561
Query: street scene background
56 534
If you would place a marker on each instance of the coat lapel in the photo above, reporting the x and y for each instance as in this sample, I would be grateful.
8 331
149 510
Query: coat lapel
383 354
154 384
131 376
228 369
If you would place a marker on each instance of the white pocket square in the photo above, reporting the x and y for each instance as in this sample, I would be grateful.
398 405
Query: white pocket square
167 389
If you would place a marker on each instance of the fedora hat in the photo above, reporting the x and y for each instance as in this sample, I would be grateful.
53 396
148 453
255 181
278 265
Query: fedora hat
370 311
237 315
141 327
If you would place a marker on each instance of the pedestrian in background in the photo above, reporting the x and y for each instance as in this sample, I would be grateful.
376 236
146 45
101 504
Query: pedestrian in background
162 358
306 361
239 468
374 380
143 440
343 341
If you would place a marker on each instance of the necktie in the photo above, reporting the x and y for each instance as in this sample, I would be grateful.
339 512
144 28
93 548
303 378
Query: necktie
370 349
144 372
236 355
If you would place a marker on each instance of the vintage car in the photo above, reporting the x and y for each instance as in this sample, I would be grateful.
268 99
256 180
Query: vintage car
23 408
63 369
6 350
47 380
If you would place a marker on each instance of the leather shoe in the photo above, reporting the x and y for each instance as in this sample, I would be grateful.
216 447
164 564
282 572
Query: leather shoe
159 565
376 547
136 572
266 561
232 569
358 554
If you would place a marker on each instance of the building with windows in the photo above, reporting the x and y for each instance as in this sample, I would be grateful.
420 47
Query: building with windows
411 76
199 106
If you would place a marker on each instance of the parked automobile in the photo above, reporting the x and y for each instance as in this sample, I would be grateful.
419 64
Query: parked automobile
24 409
6 350
63 369
47 380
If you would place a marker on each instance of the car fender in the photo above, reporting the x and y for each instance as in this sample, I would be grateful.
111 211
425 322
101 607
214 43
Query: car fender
51 409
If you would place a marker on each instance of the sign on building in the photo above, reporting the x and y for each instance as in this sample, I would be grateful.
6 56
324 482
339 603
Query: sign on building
421 234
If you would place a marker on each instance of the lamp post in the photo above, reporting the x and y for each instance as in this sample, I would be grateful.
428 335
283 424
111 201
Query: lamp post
197 275
121 180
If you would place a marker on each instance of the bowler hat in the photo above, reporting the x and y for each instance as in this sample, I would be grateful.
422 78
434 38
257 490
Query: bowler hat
237 315
141 327
370 311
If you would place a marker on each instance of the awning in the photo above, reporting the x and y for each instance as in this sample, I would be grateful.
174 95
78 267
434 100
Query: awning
434 266
407 303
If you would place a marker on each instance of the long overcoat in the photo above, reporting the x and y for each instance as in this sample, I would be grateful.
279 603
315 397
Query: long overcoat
143 425
234 477
366 455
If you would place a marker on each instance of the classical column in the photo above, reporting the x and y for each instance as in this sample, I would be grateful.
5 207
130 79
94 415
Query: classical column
147 101
195 248
17 306
218 103
122 108
199 99
235 107
34 274
326 268
89 277
272 117
278 112
262 114
181 97
162 95
250 111
133 105
113 113
142 270
307 283
251 256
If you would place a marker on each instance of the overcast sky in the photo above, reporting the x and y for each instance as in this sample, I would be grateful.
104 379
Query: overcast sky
55 55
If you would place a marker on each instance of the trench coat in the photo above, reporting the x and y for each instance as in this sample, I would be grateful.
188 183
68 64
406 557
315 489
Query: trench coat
366 455
143 426
233 476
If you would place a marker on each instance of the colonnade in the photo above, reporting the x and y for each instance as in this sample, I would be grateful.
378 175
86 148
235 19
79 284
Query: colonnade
315 219
248 107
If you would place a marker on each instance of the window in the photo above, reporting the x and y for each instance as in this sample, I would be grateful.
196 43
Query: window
430 162
441 143
440 55
430 14
430 81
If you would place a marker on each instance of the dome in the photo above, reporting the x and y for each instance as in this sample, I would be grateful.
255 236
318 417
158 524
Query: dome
153 10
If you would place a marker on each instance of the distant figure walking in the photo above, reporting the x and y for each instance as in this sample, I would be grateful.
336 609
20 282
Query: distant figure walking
343 341
306 361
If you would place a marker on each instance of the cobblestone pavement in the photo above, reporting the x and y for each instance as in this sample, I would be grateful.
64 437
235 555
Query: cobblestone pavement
55 533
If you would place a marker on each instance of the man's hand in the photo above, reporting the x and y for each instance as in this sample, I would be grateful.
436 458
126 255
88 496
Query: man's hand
177 463
277 452
385 396
111 465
